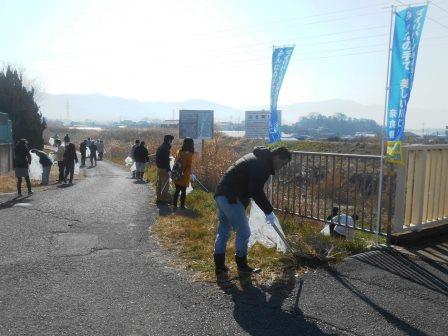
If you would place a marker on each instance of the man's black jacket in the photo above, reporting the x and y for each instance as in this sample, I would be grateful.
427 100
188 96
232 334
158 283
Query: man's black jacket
141 154
245 179
163 156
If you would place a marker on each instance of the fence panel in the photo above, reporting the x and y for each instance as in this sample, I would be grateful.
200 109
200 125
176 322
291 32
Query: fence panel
313 183
424 184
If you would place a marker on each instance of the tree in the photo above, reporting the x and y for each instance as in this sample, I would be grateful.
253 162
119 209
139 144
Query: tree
18 102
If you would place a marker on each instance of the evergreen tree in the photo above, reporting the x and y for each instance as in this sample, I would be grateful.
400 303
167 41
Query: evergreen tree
18 102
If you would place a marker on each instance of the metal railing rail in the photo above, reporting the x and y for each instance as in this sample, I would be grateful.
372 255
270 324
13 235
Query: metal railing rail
313 183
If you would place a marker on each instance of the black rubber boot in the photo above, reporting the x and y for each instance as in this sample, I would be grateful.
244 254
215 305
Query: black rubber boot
243 267
220 264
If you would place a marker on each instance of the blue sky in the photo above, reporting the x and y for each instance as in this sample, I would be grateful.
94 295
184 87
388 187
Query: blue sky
217 49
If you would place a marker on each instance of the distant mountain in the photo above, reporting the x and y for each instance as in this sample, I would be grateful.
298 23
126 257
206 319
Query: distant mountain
106 108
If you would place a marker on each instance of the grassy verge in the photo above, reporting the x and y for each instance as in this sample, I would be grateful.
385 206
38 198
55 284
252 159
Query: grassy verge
8 181
190 235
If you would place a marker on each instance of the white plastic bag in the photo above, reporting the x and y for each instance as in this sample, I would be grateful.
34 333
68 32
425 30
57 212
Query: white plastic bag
35 168
87 152
262 232
76 171
51 142
128 161
189 189
133 167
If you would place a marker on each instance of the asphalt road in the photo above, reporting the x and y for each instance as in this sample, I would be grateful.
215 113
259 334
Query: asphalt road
80 261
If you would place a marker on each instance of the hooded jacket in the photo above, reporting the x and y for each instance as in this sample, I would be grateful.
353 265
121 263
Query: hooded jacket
245 179
22 156
70 156
163 154
141 154
83 147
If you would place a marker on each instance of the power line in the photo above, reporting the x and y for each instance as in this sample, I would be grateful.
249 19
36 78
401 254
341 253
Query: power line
293 26
303 37
299 18
439 7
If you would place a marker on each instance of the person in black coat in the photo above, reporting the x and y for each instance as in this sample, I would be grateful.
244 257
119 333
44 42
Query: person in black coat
46 163
93 149
82 150
22 161
163 169
70 158
141 157
244 180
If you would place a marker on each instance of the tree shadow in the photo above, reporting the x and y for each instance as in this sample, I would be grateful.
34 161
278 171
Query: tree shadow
402 266
260 312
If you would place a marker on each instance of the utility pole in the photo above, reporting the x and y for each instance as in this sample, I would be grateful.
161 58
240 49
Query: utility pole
67 110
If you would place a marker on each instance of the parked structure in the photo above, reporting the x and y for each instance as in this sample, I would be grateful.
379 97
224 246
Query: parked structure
6 143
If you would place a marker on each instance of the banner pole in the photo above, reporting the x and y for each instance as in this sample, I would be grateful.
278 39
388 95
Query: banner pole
383 130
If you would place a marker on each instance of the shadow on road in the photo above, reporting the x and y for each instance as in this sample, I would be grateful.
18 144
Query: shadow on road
10 203
260 313
66 185
400 265
398 323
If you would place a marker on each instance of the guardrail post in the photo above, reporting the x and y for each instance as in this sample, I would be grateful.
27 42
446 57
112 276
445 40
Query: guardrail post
400 195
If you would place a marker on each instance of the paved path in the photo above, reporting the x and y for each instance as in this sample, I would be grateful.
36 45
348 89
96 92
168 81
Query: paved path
80 261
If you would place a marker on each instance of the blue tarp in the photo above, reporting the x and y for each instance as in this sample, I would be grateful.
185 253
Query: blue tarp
5 129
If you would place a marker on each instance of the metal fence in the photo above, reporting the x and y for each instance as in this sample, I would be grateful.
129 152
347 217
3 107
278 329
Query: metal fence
313 183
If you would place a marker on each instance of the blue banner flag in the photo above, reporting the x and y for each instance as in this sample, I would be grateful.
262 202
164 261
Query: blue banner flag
280 61
408 29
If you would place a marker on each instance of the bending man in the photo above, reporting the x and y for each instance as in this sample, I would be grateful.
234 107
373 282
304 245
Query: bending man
245 179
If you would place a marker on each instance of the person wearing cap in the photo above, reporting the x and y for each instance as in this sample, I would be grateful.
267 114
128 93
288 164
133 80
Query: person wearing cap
244 180
163 169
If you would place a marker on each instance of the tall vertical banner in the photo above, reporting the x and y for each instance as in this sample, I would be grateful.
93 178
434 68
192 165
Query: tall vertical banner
280 61
408 29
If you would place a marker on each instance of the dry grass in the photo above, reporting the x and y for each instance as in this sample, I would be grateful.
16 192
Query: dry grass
191 236
8 181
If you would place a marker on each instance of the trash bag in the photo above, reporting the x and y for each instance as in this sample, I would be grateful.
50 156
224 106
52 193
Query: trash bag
88 152
76 171
51 142
262 232
189 189
128 161
35 168
133 167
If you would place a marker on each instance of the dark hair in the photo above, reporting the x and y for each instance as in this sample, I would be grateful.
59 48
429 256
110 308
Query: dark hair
142 143
57 141
71 147
335 211
188 145
283 153
137 141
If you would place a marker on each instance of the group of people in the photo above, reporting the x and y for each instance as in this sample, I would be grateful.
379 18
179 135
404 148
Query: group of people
64 154
179 172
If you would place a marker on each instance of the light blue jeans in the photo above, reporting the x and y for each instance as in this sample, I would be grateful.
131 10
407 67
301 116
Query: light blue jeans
231 216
